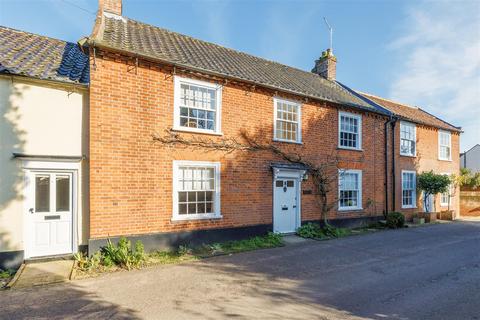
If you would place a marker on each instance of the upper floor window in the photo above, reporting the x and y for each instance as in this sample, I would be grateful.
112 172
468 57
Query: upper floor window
287 122
409 189
197 106
196 190
350 190
350 131
444 145
408 139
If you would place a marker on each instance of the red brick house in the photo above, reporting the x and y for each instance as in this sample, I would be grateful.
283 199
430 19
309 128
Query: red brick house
422 142
145 80
106 177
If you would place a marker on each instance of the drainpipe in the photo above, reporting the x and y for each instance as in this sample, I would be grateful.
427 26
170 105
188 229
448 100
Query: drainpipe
385 130
393 122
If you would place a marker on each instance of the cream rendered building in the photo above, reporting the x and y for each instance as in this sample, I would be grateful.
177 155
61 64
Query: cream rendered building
44 147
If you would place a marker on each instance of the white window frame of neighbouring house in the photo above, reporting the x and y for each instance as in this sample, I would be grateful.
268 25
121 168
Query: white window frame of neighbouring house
349 131
408 139
344 189
411 187
444 145
287 121
197 106
194 187
445 198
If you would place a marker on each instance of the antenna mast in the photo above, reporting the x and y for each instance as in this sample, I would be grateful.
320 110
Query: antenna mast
331 34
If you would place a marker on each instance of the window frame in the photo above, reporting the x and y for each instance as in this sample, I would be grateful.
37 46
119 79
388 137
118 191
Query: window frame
414 195
178 81
359 133
360 189
449 192
411 124
299 120
175 177
440 132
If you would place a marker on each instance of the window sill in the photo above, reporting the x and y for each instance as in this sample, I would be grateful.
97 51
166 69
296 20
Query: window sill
408 155
448 160
204 217
287 141
193 130
350 209
409 207
349 149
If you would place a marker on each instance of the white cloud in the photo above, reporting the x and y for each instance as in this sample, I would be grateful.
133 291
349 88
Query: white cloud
439 46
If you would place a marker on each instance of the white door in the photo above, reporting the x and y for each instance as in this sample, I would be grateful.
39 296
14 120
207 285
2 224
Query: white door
49 213
285 206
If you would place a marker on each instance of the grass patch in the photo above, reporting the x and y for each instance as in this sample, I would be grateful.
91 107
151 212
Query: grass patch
118 257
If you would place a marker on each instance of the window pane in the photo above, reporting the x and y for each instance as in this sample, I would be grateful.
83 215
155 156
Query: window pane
63 193
287 123
349 131
42 193
196 189
198 106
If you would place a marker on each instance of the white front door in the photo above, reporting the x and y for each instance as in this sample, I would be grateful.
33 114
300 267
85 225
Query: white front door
285 206
49 213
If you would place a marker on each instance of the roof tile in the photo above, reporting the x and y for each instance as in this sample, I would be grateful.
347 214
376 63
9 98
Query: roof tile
36 56
130 36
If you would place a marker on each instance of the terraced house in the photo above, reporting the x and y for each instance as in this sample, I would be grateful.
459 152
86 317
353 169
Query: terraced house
144 80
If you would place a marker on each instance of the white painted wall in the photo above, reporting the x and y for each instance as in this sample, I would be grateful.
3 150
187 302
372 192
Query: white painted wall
471 159
38 118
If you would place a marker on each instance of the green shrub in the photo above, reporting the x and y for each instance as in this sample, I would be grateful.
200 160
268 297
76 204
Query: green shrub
86 263
333 232
395 220
122 254
310 230
4 274
314 231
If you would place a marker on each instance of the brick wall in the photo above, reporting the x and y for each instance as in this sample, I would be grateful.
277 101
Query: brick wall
426 160
470 202
131 178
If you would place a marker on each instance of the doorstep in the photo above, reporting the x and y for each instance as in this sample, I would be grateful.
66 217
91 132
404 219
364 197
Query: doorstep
43 273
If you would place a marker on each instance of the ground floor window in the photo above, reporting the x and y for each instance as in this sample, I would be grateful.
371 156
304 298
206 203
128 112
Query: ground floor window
409 187
350 190
196 190
445 198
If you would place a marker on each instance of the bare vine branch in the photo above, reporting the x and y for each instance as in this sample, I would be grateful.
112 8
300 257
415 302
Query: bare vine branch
323 174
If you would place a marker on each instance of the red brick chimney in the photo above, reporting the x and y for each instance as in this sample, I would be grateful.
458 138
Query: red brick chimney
326 65
112 6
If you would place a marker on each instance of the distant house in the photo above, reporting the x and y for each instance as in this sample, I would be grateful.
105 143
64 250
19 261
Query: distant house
470 159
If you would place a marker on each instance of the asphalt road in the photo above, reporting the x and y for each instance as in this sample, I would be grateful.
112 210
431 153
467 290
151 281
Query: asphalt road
431 272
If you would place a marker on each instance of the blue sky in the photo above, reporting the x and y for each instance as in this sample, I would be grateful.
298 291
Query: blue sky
423 53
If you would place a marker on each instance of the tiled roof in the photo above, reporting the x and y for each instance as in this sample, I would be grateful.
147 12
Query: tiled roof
40 57
411 113
136 38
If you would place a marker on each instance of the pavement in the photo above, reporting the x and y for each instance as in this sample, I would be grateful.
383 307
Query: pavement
42 273
432 272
